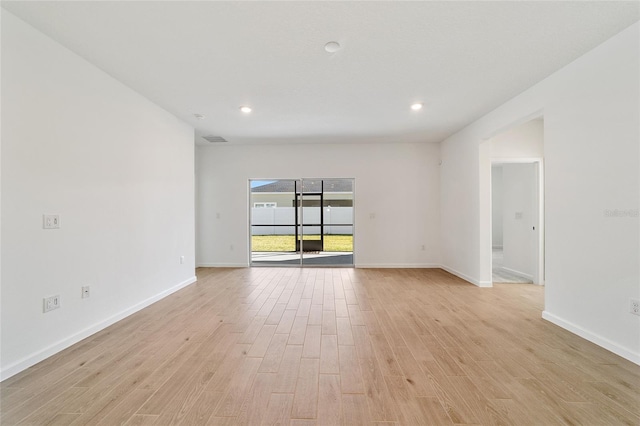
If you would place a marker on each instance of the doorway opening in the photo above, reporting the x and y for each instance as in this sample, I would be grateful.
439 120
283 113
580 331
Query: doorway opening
512 204
301 222
515 222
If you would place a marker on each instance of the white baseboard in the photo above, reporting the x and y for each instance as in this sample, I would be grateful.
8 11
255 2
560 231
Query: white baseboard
222 265
522 274
467 278
359 265
593 338
53 349
397 265
374 266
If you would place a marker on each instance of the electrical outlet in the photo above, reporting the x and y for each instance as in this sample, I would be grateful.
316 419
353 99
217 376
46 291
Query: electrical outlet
51 221
86 292
634 307
51 303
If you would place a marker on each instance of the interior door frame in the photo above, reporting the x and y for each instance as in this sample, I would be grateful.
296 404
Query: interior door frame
539 252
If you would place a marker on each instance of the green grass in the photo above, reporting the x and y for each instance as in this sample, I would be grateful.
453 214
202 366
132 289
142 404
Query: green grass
288 242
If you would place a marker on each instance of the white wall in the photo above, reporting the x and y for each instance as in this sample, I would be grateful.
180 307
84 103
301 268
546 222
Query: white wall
523 141
519 218
1 272
496 207
119 172
396 197
591 133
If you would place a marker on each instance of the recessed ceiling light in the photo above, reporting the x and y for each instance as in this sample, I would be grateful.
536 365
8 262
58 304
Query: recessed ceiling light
245 109
332 46
417 106
199 116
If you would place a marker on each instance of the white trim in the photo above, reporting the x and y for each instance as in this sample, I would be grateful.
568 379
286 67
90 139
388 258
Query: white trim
360 266
522 274
515 160
467 278
222 265
593 338
374 266
397 265
538 277
45 353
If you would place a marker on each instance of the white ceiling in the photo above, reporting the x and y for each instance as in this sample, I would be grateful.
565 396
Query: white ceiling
462 59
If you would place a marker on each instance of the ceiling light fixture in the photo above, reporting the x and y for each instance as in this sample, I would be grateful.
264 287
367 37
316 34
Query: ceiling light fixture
332 46
199 116
417 106
245 109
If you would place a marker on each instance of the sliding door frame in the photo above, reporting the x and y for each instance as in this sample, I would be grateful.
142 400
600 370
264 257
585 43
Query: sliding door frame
298 201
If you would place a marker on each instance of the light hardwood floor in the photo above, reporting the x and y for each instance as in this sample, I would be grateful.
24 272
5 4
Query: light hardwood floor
330 346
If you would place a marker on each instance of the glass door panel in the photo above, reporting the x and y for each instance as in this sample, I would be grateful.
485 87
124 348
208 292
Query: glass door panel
338 219
273 222
312 224
328 222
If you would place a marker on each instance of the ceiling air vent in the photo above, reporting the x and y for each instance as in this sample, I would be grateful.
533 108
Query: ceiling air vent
214 139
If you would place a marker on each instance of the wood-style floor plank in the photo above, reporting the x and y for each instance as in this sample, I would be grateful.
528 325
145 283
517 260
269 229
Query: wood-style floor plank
305 400
330 347
354 409
329 400
279 409
329 363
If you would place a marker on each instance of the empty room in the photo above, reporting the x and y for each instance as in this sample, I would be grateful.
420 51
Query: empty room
320 213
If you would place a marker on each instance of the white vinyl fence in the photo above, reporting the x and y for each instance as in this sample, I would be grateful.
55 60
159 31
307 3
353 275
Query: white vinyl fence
286 216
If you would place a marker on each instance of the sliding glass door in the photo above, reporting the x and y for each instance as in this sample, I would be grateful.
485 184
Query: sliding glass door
274 222
300 222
